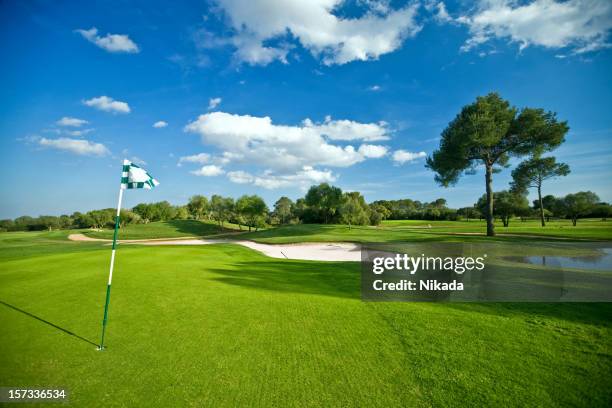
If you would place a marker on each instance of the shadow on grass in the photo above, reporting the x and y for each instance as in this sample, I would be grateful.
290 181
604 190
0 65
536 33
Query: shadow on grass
339 279
342 280
589 313
48 323
195 227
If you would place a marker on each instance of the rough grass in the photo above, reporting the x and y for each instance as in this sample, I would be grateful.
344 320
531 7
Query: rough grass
222 325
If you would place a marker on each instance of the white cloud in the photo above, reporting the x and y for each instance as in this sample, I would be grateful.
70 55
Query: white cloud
72 122
441 14
303 178
208 171
582 25
213 103
78 133
77 146
107 104
312 23
200 158
403 156
110 42
374 88
251 139
160 124
349 130
137 160
372 151
240 177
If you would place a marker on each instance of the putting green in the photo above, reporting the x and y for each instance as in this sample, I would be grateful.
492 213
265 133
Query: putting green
223 325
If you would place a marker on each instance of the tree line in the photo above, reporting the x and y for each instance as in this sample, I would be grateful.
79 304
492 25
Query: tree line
322 204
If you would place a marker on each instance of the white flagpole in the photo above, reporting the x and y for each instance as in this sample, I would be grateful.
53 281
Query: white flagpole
112 264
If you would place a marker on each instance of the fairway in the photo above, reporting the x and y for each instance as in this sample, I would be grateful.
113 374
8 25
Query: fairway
222 325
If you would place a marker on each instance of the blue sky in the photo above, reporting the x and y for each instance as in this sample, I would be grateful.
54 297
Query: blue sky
276 97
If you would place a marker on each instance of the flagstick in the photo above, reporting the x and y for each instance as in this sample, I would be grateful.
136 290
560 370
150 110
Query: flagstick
110 274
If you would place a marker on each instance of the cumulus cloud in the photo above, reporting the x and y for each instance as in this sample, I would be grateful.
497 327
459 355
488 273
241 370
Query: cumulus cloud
213 103
333 39
403 156
271 180
583 25
160 124
349 130
71 122
200 158
107 104
110 42
372 151
210 170
77 146
251 139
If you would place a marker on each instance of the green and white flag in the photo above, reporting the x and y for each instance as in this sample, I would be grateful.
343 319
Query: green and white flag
134 176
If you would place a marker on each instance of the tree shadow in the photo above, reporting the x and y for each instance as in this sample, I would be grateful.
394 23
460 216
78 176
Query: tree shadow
48 323
343 280
589 313
337 279
196 228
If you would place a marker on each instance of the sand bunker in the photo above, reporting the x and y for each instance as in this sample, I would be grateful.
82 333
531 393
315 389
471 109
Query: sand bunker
302 251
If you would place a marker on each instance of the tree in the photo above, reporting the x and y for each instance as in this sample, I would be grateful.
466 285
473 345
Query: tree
553 206
146 212
532 173
164 211
221 208
128 217
198 206
579 204
7 225
469 212
253 208
324 200
508 204
488 132
48 222
181 212
23 223
380 209
601 210
282 209
354 210
100 218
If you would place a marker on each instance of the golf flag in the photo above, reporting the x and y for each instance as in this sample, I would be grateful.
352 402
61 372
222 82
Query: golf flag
132 176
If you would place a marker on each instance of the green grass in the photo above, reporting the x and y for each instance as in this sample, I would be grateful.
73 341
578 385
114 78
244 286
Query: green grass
166 229
389 231
222 325
411 230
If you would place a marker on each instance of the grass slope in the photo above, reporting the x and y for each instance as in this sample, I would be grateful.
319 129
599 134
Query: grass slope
166 229
221 325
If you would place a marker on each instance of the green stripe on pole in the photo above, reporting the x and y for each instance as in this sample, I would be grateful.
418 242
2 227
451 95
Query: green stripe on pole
108 287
